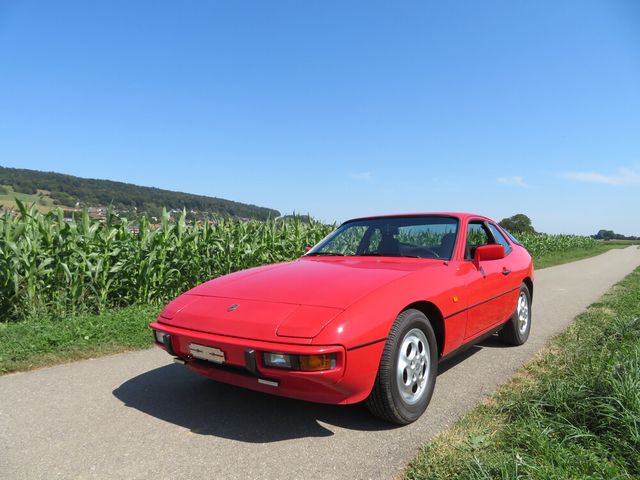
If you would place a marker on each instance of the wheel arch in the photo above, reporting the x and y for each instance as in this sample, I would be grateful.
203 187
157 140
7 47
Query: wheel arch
435 317
529 283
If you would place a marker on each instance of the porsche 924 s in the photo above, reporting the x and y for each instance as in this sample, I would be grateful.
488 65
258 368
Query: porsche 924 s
365 315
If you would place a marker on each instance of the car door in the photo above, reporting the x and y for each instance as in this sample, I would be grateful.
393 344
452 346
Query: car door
489 288
512 280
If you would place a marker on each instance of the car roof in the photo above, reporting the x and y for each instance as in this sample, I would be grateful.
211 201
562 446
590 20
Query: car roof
460 215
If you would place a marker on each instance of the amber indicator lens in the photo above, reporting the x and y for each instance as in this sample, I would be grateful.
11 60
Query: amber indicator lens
313 363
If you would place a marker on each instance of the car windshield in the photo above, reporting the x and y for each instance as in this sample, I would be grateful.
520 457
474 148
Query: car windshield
429 236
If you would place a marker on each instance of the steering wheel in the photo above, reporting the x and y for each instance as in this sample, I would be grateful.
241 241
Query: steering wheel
421 248
435 254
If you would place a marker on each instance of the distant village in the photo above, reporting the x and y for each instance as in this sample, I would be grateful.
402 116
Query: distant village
100 214
132 214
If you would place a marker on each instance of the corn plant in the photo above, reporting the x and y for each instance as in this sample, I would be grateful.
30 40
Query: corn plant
54 266
539 244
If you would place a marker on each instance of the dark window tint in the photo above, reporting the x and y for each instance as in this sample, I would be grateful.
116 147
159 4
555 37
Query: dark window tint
499 238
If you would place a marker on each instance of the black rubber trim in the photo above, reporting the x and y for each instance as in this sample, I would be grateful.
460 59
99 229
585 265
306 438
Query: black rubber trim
470 343
366 344
295 361
166 341
250 361
481 303
225 367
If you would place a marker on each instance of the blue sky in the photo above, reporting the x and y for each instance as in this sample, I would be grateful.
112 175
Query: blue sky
338 109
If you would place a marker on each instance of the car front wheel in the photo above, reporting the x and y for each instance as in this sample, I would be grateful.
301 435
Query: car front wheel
407 372
516 330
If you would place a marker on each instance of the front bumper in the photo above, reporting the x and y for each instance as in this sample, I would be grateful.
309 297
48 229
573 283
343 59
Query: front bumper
350 382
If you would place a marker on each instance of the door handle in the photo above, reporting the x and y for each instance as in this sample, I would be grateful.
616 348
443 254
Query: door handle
505 271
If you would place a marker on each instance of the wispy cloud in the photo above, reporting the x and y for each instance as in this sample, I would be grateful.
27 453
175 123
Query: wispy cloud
513 181
361 176
624 176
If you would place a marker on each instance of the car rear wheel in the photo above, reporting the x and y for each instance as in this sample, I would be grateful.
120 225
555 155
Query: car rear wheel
407 372
516 330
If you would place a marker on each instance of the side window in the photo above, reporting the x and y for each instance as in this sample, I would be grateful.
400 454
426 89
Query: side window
477 235
499 238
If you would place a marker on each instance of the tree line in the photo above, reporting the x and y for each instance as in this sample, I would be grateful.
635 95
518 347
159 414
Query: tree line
69 190
520 223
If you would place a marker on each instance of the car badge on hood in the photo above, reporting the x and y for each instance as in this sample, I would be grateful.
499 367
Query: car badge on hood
232 307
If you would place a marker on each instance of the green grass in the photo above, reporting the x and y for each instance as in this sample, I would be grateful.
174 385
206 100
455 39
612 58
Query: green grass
574 412
573 254
43 342
621 242
41 200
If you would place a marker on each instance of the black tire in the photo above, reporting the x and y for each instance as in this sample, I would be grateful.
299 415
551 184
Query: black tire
511 333
385 400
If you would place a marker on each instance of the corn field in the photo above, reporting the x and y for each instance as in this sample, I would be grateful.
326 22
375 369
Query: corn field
540 244
53 267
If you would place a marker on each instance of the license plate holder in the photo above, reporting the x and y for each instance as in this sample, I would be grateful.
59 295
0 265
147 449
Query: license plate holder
210 354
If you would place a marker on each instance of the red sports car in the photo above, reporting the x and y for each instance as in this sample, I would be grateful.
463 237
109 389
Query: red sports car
366 314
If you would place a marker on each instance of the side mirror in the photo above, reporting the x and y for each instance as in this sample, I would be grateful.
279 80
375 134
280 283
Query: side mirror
307 248
487 252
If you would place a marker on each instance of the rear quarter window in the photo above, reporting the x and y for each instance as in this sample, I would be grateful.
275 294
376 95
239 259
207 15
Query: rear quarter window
499 238
511 237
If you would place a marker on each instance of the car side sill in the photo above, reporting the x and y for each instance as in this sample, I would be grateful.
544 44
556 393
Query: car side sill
471 343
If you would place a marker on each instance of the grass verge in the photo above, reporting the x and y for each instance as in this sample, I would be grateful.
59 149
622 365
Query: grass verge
43 342
574 412
558 258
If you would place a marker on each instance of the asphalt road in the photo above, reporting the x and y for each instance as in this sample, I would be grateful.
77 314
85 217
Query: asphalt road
137 415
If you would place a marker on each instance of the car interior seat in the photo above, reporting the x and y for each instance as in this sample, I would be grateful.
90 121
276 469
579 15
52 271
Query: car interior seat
446 245
389 245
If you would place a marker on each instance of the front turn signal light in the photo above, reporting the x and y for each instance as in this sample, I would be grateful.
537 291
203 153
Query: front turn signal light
314 363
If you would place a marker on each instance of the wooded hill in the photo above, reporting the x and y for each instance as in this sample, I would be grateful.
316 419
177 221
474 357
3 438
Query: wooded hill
68 190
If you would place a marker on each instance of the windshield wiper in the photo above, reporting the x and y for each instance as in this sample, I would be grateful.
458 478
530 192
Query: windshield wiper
376 254
332 254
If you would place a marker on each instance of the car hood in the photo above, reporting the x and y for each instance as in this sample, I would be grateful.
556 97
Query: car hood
296 299
311 281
